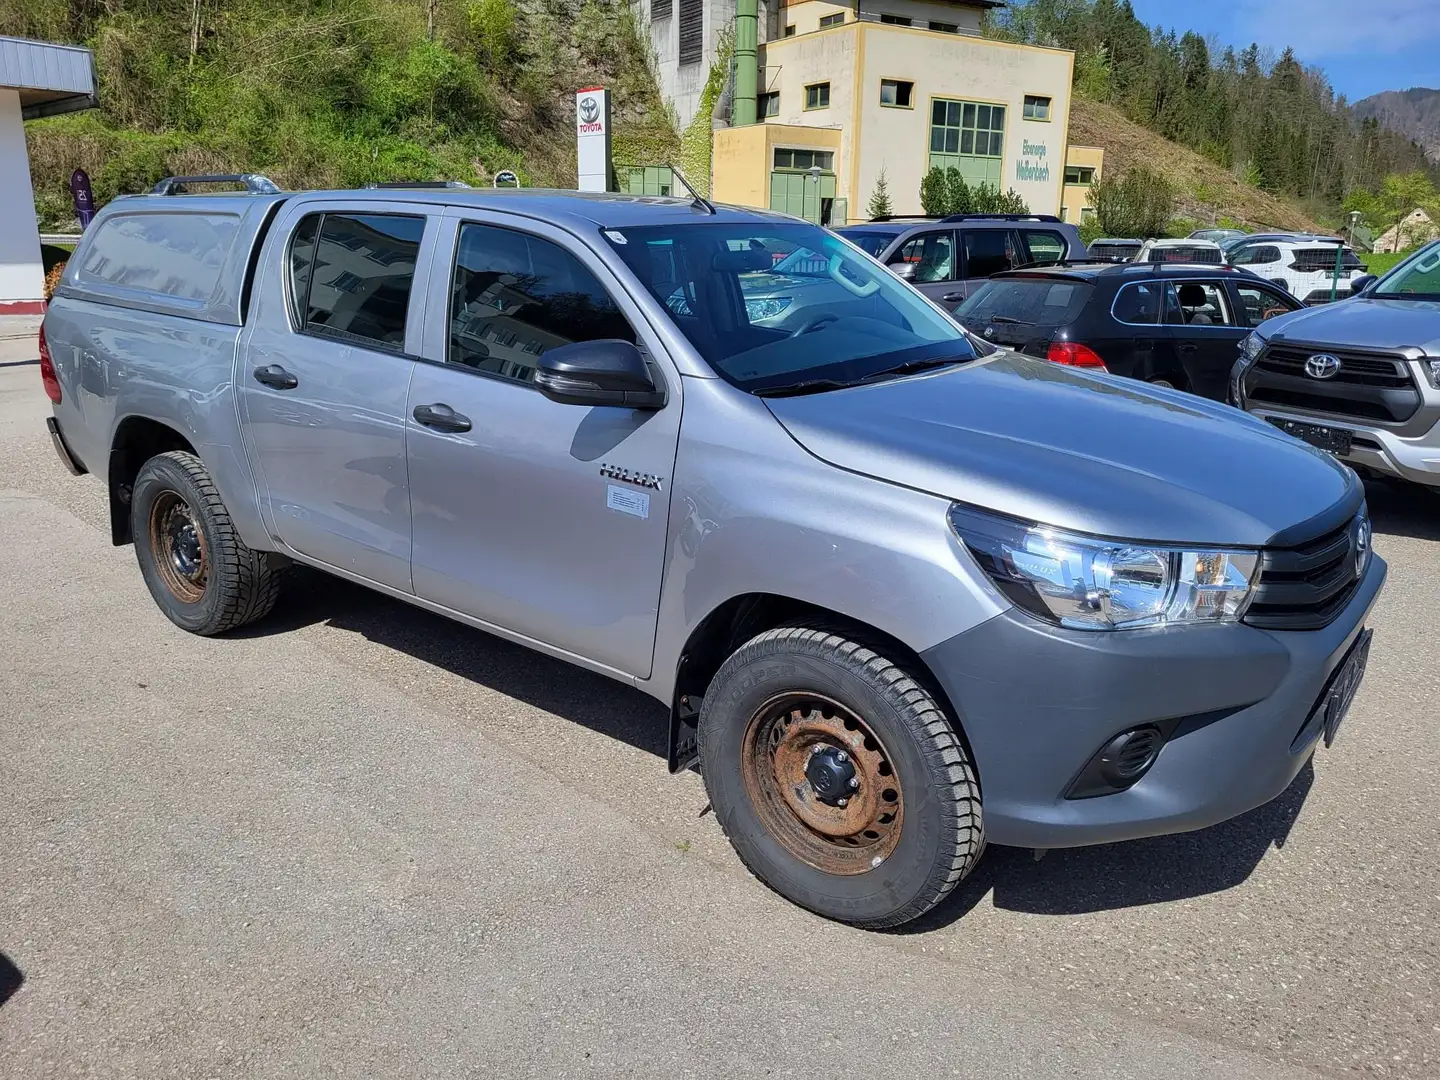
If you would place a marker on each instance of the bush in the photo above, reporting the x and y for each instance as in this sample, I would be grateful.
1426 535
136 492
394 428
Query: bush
944 191
1140 203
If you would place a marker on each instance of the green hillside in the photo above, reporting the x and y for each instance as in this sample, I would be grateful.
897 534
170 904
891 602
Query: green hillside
336 92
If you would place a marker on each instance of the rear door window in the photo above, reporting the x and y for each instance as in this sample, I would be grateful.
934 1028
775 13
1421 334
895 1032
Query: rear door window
1027 301
175 254
988 251
1139 303
355 278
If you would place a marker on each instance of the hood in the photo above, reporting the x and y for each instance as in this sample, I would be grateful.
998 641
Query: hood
1362 322
1092 453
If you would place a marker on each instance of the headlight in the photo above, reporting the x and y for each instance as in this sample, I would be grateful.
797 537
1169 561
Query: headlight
1250 347
1087 583
1432 372
766 308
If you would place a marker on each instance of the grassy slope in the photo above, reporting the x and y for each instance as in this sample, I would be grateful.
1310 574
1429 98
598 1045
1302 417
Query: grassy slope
1208 191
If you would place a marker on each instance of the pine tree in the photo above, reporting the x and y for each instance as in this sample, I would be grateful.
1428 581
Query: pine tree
880 205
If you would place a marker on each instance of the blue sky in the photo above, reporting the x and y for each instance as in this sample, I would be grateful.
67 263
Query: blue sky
1364 46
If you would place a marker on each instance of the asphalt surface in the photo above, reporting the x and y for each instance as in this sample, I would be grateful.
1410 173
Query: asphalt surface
359 840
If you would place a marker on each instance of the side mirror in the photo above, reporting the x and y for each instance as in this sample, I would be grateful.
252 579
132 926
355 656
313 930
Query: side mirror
607 371
905 271
1361 283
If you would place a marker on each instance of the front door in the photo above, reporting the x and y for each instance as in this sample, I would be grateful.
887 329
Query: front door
936 266
323 384
543 519
1202 323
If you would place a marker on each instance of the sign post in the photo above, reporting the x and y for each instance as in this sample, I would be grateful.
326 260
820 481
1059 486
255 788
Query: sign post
83 196
592 138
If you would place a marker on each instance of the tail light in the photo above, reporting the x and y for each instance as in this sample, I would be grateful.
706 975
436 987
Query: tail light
47 370
1074 354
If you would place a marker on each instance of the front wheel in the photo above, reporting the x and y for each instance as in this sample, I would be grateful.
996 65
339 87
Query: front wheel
201 574
839 778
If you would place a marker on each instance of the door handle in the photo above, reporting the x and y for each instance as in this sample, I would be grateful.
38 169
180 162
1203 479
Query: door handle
1188 346
953 297
276 376
441 417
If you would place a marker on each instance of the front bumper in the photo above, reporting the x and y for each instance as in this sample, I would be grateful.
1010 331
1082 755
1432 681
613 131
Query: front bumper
1036 702
1416 459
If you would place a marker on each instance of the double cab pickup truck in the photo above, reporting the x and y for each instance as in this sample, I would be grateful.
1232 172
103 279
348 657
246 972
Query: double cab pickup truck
899 597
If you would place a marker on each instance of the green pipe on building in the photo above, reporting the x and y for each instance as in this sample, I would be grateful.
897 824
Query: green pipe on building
746 74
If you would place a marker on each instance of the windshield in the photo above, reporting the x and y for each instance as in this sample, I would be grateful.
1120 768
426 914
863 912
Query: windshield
1417 278
870 241
771 304
1028 301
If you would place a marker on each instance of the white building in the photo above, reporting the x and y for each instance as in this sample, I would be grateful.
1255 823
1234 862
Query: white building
36 80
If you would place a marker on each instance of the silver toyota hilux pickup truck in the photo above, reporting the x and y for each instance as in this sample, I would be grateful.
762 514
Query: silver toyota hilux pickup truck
900 598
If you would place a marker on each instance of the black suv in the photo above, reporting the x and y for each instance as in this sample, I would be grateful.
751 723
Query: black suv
948 258
1167 324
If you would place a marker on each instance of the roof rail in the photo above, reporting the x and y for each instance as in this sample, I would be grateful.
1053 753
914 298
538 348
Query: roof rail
1002 217
421 184
906 217
254 183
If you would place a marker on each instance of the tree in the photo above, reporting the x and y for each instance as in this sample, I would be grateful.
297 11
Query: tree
934 194
958 199
880 205
1140 203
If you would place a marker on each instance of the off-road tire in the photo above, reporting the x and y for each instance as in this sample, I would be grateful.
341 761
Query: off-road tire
942 833
241 585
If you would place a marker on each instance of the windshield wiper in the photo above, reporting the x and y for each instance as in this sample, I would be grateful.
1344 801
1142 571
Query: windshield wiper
1008 319
910 367
804 386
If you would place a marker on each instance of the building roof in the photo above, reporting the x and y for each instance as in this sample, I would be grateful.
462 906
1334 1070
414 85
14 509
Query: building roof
51 79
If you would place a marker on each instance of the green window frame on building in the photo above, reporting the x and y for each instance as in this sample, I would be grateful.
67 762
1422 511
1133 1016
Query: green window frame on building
968 136
802 160
832 20
817 96
768 103
1079 174
1036 107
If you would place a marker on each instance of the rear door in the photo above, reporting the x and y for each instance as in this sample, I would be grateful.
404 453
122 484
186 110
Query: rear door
933 255
1142 348
323 376
543 519
1202 322
986 252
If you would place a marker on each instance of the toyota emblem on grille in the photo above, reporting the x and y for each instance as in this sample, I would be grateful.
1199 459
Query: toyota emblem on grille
1322 366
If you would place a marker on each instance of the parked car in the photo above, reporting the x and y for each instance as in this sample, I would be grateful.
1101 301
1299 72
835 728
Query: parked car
1359 378
1218 236
1235 243
1304 266
862 567
1114 249
1204 252
947 258
1171 325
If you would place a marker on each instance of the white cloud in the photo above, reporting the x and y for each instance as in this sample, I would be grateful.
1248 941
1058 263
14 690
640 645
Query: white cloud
1318 29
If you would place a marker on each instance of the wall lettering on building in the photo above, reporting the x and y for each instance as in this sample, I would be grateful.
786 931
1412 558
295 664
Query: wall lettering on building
1031 164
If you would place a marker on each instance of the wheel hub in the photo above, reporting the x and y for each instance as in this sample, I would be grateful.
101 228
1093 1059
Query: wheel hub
831 774
178 546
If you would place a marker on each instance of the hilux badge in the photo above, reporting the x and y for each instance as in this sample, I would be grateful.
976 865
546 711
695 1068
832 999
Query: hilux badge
1322 366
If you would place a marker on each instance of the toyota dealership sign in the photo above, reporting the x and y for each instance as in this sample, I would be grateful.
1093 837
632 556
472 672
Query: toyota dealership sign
592 138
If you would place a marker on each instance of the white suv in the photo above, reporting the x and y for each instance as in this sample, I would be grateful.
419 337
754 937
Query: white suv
1303 265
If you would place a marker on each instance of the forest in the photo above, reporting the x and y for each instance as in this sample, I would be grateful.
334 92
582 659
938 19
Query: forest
1276 123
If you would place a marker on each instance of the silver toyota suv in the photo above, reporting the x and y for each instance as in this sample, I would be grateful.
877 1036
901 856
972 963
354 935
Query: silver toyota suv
899 598
1359 378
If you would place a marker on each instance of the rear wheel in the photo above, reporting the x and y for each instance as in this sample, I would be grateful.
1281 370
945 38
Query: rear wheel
201 574
838 777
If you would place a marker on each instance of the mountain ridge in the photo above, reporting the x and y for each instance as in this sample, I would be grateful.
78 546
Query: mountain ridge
1414 113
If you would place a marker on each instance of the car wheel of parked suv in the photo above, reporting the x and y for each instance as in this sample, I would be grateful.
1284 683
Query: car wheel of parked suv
196 566
838 777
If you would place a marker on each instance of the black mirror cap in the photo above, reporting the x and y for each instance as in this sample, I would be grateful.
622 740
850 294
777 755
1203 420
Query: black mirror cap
1361 283
607 371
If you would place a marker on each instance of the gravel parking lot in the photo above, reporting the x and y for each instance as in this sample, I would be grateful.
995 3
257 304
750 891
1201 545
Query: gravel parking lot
359 840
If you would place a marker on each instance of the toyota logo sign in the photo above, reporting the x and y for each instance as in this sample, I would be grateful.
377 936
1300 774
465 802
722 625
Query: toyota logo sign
1322 366
589 110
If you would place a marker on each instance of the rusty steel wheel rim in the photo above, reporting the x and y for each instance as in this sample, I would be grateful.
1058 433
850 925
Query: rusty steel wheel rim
179 547
822 783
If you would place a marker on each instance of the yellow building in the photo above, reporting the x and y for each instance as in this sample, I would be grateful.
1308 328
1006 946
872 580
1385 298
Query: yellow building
844 92
1082 168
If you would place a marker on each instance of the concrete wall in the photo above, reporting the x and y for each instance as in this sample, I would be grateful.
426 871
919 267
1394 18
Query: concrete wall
22 278
1075 198
824 56
957 67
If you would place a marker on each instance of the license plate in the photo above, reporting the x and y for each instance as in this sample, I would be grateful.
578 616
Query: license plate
1343 686
1331 440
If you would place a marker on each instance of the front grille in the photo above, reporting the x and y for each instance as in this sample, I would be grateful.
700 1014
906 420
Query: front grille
1306 587
1367 387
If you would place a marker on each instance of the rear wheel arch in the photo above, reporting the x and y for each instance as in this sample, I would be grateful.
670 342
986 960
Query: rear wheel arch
137 439
741 618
